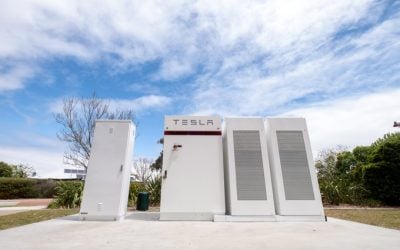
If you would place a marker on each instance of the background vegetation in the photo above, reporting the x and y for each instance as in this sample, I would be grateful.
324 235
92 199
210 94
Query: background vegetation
16 188
16 171
68 194
367 175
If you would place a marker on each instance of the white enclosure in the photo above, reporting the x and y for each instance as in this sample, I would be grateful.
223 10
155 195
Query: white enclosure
105 195
295 183
193 179
247 173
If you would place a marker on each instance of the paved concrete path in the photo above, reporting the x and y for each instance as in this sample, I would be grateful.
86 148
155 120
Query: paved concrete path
14 210
144 231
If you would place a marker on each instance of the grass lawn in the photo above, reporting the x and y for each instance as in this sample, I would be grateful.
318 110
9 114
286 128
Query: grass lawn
389 218
28 217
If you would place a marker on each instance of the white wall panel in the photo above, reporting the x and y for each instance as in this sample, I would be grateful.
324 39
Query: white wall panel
294 176
247 173
105 195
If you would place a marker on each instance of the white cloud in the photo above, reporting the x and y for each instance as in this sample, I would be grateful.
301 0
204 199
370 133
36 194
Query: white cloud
138 105
174 69
47 163
182 34
141 104
320 66
352 121
14 78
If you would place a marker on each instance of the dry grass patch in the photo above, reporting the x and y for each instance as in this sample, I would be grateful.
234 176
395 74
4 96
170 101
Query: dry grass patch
28 217
386 217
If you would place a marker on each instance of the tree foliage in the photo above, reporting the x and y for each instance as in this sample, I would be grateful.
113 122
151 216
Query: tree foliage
5 170
364 175
16 171
77 120
157 164
381 174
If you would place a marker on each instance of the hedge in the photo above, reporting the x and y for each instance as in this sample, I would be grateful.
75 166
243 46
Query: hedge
16 188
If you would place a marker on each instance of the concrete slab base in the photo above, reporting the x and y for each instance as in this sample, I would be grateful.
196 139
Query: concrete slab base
101 217
145 231
236 218
304 218
248 218
181 216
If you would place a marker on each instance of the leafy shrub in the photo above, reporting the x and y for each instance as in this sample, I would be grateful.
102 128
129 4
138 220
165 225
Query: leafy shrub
68 194
17 188
14 188
134 189
46 188
153 186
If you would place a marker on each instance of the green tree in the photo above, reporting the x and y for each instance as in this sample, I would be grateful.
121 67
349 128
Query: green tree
361 154
157 164
16 171
368 174
381 174
327 176
335 175
23 171
5 170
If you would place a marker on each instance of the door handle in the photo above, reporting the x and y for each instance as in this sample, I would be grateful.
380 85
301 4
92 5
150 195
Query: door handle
176 146
165 174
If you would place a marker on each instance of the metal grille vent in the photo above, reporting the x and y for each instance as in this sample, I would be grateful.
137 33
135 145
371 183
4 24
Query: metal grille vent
295 169
250 181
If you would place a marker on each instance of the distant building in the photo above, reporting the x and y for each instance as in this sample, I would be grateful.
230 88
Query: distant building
76 173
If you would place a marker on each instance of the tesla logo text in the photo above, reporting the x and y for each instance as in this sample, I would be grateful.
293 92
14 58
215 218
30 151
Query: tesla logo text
185 122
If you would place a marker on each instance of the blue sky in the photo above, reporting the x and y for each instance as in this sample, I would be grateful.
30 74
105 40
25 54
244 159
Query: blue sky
336 63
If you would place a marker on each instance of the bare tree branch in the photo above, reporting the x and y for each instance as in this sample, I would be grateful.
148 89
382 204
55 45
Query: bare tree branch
77 120
141 170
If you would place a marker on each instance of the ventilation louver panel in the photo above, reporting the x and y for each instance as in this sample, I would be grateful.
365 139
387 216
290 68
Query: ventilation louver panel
295 169
249 166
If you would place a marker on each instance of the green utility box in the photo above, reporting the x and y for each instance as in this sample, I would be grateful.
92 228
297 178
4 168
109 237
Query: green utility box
142 203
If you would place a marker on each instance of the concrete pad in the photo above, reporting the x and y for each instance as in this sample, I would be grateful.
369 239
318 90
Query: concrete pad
144 231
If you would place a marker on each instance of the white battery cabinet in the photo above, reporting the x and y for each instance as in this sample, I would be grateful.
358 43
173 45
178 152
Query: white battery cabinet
105 195
193 180
295 183
247 173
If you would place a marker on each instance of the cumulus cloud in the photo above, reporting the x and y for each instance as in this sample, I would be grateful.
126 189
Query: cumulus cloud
274 47
46 162
315 60
141 104
351 121
13 78
138 105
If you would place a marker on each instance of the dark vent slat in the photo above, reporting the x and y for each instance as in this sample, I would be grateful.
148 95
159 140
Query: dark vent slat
295 169
249 166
